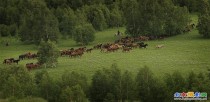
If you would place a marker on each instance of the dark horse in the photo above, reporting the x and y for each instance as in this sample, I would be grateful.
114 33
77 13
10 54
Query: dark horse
143 46
16 61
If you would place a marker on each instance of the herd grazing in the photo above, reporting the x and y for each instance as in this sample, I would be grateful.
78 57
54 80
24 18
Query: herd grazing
125 44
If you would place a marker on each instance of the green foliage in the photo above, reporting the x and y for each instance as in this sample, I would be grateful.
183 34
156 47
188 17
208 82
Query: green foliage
96 17
110 85
39 23
162 18
84 34
4 30
148 86
177 21
48 54
116 18
67 21
66 95
175 83
74 79
16 81
204 19
48 88
128 92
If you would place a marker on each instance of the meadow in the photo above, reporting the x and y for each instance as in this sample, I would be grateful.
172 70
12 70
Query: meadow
184 53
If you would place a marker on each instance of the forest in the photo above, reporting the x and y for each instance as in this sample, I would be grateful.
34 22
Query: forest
46 24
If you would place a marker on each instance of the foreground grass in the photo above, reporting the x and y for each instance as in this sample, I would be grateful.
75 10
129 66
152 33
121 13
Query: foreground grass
184 53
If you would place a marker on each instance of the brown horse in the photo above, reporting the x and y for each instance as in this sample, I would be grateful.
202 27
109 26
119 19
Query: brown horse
31 66
126 49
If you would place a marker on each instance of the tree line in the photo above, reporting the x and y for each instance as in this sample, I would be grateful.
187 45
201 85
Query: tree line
107 85
32 21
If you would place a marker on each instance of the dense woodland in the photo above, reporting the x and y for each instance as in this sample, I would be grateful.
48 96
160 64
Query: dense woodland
107 85
38 21
32 21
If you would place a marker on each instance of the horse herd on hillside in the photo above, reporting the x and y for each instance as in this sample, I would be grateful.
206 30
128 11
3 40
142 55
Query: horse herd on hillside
125 44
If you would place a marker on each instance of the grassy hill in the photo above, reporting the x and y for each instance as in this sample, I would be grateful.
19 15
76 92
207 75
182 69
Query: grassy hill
186 52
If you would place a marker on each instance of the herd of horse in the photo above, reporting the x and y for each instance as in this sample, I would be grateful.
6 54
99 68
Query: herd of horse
125 44
28 55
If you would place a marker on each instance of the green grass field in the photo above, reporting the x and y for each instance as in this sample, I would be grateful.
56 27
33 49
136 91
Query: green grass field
184 53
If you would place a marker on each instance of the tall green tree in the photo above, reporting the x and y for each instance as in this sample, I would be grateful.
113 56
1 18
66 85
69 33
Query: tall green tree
96 17
73 79
175 83
100 87
204 19
67 21
128 89
48 54
16 81
38 23
148 86
152 17
84 34
48 88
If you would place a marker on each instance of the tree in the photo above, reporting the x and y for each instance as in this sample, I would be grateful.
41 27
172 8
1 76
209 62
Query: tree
128 89
203 25
152 17
175 83
130 10
96 17
110 86
148 86
16 81
67 21
84 34
100 86
116 18
204 19
48 88
67 95
78 94
48 54
73 79
38 23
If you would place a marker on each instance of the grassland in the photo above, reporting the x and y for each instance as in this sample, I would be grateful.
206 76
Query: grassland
186 52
